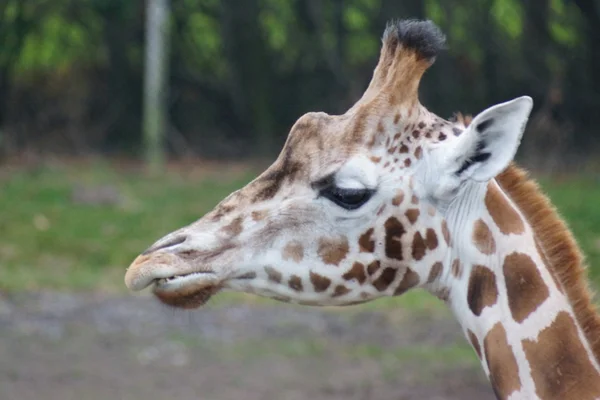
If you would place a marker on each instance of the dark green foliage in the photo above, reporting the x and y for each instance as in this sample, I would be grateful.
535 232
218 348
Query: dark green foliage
241 72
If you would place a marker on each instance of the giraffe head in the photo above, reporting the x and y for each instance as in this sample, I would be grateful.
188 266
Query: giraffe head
354 207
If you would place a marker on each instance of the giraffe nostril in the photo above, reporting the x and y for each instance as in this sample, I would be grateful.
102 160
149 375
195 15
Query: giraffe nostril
161 246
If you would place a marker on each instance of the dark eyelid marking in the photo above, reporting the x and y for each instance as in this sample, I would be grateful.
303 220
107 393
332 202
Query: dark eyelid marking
324 182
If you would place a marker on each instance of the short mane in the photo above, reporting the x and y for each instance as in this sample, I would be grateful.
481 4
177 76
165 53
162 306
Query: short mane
563 254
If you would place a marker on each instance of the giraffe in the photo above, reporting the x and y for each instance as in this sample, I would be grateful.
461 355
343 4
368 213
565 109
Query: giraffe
388 197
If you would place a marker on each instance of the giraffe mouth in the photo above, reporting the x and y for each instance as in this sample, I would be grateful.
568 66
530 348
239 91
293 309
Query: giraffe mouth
187 291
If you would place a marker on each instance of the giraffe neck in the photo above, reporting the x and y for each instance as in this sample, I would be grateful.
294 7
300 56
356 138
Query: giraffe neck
511 305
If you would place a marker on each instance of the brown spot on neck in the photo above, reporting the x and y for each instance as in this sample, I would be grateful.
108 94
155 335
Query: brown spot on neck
504 371
412 214
561 250
293 251
560 365
504 215
409 280
525 288
446 232
373 267
483 239
333 251
434 272
457 268
397 200
418 247
366 242
482 291
385 279
431 239
393 238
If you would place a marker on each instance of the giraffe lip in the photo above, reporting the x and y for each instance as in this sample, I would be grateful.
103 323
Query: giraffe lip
200 278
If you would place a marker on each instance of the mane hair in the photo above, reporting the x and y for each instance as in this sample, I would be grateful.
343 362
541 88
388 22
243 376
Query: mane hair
565 259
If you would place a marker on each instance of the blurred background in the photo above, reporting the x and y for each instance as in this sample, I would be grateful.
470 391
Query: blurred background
121 121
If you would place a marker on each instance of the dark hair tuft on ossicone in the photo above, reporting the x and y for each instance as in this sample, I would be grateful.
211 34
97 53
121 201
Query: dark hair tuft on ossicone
424 37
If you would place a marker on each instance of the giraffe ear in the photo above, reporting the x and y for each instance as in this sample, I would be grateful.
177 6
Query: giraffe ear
490 142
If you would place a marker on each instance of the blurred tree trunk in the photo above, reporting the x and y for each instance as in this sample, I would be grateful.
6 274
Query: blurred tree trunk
250 71
155 84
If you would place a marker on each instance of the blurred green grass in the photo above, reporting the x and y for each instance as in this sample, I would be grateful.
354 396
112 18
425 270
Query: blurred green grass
49 240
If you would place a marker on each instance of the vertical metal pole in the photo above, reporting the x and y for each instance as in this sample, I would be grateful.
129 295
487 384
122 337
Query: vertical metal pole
155 117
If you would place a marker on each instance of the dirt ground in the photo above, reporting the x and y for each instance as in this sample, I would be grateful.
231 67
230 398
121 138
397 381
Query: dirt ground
82 346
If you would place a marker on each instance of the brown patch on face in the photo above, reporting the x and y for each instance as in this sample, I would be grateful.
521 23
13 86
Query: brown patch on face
547 265
332 251
319 282
525 287
393 236
385 279
483 291
434 272
273 274
403 149
398 199
356 272
504 371
560 366
375 159
456 268
220 211
502 212
474 342
418 153
483 239
409 280
418 247
381 210
431 239
366 242
295 283
234 228
373 267
274 178
412 214
259 215
407 162
293 251
340 290
445 232
396 118
442 136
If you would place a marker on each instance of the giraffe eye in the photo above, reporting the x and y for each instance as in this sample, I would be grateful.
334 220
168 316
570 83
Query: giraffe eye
350 199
